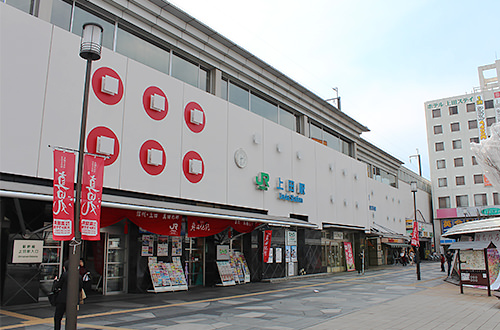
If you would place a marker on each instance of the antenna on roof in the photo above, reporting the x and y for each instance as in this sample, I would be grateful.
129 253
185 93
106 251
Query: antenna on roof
336 100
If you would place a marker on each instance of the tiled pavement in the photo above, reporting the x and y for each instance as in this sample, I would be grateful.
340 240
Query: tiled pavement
383 298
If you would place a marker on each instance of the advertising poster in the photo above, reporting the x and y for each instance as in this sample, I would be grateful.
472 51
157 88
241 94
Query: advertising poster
162 248
287 253
293 253
222 252
176 246
349 258
147 245
90 211
63 207
493 256
279 255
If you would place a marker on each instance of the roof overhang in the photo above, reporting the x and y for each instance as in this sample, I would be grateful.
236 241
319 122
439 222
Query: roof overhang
327 225
472 227
472 245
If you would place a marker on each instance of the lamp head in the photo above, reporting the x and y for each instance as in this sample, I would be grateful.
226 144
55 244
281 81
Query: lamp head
91 42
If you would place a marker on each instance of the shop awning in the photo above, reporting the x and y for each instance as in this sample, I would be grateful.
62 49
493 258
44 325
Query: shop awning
382 231
327 225
471 227
138 204
396 245
471 245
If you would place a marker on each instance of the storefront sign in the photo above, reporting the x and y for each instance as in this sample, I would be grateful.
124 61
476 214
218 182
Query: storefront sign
63 206
262 181
447 224
481 117
349 258
292 190
222 252
203 227
27 251
267 244
291 237
448 103
491 211
92 181
338 235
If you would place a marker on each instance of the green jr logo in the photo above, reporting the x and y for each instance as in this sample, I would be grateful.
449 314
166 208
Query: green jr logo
262 181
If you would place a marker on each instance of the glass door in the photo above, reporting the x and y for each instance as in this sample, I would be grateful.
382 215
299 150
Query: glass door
115 264
195 260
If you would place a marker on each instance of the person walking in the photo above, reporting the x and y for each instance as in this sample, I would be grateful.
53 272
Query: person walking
62 284
442 262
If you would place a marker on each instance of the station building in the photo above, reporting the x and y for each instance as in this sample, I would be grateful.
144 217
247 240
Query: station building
460 190
237 149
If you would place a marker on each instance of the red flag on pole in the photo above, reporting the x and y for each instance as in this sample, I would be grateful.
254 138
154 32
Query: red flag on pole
414 235
267 244
63 206
90 212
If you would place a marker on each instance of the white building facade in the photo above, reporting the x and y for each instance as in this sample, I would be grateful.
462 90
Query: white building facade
233 140
460 190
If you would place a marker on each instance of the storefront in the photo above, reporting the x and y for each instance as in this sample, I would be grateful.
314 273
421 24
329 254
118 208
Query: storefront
342 248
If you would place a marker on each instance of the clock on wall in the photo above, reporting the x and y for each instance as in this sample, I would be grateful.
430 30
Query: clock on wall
240 158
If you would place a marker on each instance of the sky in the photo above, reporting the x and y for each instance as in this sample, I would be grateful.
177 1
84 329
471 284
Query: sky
386 57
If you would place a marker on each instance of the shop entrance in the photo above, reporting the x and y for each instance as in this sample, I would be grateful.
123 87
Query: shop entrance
195 260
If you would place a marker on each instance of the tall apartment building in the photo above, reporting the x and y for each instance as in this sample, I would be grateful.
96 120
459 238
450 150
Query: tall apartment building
460 191
240 150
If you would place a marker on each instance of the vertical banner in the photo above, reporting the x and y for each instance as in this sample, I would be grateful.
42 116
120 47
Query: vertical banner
497 106
414 236
267 244
349 258
63 207
90 213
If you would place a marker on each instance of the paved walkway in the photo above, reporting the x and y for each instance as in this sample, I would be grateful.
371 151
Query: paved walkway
384 298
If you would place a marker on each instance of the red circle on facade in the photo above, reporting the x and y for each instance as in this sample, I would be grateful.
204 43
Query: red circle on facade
143 157
154 112
106 87
194 116
186 166
102 131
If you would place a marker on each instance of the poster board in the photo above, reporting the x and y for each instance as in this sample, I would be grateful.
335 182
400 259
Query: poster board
225 273
167 276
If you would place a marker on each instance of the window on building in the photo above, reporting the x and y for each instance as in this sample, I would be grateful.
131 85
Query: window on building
474 160
61 14
239 96
471 107
142 51
28 6
457 144
442 182
460 180
287 119
478 178
440 163
384 176
453 110
455 127
490 121
458 162
438 129
480 200
496 199
488 104
189 72
473 124
329 139
263 108
444 202
436 113
474 140
439 146
462 201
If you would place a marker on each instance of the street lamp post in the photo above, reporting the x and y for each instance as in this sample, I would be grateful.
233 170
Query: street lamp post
413 185
90 50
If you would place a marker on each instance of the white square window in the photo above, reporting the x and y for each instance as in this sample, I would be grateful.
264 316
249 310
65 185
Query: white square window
155 157
157 102
197 117
105 145
195 166
109 85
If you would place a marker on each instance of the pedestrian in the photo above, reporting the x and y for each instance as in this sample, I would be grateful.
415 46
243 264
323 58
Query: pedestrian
403 258
62 284
442 262
449 260
85 275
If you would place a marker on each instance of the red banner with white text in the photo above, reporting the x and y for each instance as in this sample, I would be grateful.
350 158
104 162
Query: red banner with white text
267 244
63 208
349 257
90 212
203 227
415 235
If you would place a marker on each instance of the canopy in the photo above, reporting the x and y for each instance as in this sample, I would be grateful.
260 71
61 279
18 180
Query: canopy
471 227
471 245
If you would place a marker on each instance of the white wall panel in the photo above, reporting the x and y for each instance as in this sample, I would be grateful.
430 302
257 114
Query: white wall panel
24 54
63 101
277 165
241 187
139 127
325 184
210 144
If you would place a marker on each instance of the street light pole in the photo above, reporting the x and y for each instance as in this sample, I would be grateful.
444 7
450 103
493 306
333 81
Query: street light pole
417 248
90 49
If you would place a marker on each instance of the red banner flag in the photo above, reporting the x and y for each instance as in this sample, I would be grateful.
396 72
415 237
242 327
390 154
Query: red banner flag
414 235
349 257
63 206
90 212
268 234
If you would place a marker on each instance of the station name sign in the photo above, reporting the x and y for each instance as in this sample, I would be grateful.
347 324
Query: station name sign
288 190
